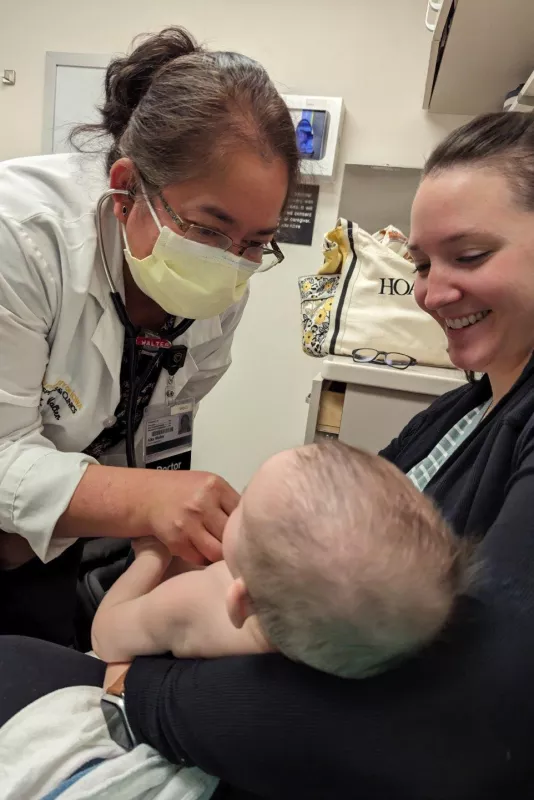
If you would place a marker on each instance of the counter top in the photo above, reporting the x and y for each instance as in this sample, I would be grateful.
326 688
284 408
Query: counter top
421 380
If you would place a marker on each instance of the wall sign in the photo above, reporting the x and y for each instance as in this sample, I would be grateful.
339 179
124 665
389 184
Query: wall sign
296 226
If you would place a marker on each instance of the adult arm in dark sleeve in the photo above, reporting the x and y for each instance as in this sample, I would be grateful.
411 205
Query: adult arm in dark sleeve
455 723
443 413
392 450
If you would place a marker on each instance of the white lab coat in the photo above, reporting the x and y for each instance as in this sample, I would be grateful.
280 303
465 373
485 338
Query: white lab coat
61 342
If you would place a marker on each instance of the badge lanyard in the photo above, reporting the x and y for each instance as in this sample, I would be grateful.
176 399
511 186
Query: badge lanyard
172 357
166 357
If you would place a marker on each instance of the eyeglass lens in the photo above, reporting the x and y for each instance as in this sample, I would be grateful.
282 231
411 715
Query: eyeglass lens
258 254
367 355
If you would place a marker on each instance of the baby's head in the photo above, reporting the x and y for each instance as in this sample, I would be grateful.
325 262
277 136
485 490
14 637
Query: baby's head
346 566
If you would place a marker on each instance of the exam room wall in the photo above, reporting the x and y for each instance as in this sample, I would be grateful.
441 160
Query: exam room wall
373 53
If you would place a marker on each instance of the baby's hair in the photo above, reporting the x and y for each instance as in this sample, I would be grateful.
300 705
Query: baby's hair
354 567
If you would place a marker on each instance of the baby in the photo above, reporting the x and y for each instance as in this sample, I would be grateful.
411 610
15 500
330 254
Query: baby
332 558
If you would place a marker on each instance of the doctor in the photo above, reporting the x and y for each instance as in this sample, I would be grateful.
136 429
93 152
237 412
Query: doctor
117 312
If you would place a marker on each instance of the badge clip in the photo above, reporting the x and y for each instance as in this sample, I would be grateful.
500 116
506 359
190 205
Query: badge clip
174 359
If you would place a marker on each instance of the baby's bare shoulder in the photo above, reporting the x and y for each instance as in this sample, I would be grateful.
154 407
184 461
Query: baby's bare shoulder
214 578
218 575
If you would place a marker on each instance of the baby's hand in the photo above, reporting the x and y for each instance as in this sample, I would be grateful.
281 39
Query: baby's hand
149 545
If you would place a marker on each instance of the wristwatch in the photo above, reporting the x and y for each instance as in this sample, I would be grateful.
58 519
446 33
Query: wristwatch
114 710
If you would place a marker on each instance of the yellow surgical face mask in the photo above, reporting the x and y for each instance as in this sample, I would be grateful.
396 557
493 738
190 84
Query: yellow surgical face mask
188 279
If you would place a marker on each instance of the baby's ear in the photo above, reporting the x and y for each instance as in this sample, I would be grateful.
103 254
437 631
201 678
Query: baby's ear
238 603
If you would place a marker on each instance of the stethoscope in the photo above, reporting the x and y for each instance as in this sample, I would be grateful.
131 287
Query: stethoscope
172 358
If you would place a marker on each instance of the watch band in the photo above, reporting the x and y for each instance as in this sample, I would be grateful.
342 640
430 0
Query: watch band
114 710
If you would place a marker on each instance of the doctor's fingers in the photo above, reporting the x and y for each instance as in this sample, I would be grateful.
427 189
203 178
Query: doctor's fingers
196 544
201 549
207 545
214 521
228 497
187 551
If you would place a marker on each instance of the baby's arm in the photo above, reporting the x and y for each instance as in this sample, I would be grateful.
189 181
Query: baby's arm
116 629
185 615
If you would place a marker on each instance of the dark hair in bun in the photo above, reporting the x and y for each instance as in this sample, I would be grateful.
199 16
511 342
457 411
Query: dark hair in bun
177 110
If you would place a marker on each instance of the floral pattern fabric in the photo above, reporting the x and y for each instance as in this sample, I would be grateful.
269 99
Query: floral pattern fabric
317 298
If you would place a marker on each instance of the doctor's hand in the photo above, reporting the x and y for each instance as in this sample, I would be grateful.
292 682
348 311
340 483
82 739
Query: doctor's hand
188 511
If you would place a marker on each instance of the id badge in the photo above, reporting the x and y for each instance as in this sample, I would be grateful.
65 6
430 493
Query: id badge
168 435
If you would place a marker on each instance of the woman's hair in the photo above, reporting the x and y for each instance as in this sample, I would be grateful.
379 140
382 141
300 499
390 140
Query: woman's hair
178 110
503 140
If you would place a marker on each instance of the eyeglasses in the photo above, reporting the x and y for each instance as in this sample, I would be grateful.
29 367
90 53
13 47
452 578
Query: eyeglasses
265 257
367 355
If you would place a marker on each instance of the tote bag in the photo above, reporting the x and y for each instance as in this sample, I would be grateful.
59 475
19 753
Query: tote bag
371 303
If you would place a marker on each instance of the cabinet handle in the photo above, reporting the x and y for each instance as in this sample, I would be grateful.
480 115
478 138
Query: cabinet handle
433 5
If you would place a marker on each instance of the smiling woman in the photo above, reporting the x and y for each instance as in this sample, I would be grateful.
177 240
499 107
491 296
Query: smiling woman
473 243
473 452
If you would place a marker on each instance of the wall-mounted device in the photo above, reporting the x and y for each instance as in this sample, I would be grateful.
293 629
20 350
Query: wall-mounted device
318 122
10 77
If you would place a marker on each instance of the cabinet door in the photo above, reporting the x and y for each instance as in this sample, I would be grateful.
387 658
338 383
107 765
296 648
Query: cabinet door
373 416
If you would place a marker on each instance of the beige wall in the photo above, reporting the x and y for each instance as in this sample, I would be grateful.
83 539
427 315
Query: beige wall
372 52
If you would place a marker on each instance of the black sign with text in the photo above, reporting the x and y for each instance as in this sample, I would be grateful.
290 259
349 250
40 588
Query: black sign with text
181 461
296 226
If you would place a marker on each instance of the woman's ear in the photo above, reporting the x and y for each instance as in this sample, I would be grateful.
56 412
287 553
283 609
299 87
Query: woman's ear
238 603
122 176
